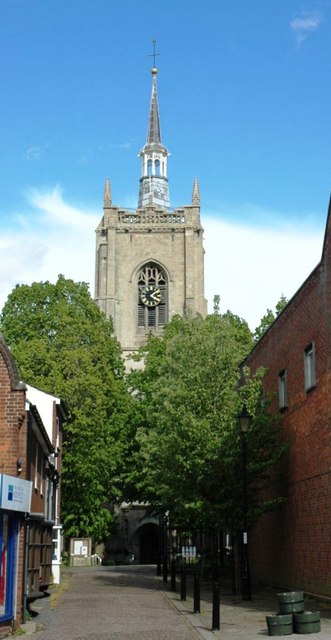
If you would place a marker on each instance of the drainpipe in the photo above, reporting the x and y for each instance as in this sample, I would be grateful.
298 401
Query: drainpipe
27 521
25 567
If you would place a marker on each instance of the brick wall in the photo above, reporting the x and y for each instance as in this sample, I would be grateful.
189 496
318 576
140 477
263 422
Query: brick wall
292 546
13 429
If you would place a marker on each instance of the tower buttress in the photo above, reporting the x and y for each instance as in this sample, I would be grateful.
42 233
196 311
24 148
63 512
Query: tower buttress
196 193
107 194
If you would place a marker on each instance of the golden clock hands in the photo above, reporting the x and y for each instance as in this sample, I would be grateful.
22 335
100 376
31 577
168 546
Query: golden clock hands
155 295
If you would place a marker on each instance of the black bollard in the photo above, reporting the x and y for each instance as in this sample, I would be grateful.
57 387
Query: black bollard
183 584
216 606
158 565
165 569
196 593
173 575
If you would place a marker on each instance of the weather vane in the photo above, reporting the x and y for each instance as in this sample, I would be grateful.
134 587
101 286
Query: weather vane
154 54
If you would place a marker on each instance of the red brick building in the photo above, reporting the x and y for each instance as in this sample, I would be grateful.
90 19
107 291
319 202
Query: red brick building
291 547
29 479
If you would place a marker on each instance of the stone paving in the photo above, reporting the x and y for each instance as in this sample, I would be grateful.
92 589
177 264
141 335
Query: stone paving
131 603
110 603
246 620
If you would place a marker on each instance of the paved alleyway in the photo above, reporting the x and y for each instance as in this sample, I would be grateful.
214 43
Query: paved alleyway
110 603
131 603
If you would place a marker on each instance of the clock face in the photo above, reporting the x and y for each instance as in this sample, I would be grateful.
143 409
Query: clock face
151 296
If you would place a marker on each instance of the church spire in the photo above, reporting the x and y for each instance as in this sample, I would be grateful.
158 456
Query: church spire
154 131
154 188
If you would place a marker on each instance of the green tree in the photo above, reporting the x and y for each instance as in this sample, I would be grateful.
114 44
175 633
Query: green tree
188 396
269 318
216 304
64 345
282 302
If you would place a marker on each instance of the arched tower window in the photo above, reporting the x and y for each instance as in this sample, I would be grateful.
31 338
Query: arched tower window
157 168
152 297
149 168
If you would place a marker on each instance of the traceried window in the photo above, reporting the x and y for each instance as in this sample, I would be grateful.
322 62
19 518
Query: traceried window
152 297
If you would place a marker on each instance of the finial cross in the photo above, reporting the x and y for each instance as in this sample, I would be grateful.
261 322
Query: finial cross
154 54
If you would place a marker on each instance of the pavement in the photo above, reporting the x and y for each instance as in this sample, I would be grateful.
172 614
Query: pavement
246 620
132 603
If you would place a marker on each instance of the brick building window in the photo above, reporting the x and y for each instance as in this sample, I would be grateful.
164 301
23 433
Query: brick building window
309 366
282 389
36 465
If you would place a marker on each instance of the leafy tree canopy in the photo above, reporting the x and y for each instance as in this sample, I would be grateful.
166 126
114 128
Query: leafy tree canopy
188 450
269 318
64 346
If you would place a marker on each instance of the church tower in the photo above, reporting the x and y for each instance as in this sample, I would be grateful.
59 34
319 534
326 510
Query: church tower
150 261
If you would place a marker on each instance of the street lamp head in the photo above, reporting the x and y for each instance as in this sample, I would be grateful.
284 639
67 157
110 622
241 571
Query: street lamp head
244 420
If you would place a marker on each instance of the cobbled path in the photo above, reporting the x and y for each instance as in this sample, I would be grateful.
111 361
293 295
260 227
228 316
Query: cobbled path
110 603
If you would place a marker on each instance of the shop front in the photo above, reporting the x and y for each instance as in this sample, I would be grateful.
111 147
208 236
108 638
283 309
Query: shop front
15 501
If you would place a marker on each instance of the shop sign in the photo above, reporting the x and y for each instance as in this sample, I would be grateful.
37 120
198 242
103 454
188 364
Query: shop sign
15 494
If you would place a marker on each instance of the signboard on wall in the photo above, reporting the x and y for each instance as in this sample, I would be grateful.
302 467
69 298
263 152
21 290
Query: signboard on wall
15 494
80 547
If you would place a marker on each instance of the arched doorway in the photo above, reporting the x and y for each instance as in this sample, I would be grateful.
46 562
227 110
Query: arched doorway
149 543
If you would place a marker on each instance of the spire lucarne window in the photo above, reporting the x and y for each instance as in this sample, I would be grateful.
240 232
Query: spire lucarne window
152 294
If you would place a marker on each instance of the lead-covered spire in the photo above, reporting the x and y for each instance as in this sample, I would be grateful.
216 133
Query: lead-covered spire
154 131
154 188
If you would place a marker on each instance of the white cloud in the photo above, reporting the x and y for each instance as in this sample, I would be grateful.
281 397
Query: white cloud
308 22
35 152
84 159
125 145
53 208
49 238
120 145
250 267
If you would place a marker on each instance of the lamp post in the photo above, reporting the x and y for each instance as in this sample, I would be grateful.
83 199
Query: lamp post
244 421
164 524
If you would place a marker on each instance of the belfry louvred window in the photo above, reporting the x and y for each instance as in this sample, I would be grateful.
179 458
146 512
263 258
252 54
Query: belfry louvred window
152 297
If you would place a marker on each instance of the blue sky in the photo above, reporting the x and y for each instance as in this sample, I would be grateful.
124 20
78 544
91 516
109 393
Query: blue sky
245 102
